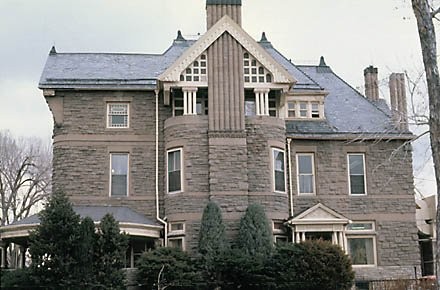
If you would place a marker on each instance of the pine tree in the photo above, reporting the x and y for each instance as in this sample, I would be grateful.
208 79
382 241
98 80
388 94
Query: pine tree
54 245
110 249
86 250
254 236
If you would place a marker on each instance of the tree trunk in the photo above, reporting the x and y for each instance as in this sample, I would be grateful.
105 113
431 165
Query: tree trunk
426 29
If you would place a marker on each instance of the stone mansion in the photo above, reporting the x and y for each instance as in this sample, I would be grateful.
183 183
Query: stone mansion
152 138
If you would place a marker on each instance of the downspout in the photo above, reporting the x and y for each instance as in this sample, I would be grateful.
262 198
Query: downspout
289 140
157 171
289 158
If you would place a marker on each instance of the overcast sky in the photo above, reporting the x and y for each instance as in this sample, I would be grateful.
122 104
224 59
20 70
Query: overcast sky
350 34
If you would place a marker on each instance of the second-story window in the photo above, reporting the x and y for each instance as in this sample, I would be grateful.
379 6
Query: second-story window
306 176
305 110
119 174
117 115
174 181
356 173
278 170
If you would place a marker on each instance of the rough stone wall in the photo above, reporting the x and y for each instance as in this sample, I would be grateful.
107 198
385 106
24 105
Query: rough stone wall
389 201
263 134
82 147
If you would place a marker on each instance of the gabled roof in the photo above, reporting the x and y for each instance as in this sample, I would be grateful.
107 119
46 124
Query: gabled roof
319 214
226 24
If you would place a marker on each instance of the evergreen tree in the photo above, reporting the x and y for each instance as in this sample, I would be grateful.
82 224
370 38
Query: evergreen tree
254 236
110 249
212 241
86 251
54 245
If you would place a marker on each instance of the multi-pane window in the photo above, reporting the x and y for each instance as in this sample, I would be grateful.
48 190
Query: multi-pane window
278 170
197 71
117 115
254 72
304 110
306 175
176 233
177 102
361 243
119 174
356 172
174 170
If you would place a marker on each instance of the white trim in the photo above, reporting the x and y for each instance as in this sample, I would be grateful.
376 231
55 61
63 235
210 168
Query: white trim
370 236
277 231
273 169
178 238
110 173
172 232
348 175
109 103
275 237
181 170
226 24
313 174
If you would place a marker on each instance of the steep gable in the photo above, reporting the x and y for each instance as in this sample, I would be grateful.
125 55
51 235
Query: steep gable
226 24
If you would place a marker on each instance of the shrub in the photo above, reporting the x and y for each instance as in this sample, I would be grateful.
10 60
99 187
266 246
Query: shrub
168 268
254 235
312 265
16 279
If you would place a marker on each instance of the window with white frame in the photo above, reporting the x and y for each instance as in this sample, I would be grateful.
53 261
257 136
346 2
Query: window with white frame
177 102
197 71
361 243
174 169
177 242
119 174
176 228
278 170
302 109
117 115
356 173
306 173
255 72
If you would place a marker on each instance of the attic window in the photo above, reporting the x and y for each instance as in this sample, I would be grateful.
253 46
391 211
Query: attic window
197 71
300 109
254 72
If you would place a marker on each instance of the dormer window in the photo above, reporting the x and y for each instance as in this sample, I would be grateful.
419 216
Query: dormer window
304 109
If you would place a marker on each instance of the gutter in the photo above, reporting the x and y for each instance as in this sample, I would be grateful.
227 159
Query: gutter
165 225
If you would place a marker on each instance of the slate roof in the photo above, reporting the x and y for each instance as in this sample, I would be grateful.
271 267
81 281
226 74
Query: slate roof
120 213
223 2
346 110
108 70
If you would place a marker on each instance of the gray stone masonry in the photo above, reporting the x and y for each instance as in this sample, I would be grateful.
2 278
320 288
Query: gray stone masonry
389 201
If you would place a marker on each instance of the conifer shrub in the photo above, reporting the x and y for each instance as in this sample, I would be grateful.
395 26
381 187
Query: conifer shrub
168 268
311 265
255 236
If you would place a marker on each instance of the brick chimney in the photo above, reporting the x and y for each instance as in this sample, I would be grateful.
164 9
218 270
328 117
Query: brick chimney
216 9
398 100
371 83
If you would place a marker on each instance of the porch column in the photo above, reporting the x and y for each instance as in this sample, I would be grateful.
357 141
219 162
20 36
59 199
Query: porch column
298 238
303 236
341 240
334 238
4 250
189 101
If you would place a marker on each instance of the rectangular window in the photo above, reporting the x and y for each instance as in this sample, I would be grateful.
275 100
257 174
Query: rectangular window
250 108
278 170
177 242
315 110
119 174
306 173
176 228
174 170
356 172
361 243
291 109
280 239
117 115
177 102
303 109
361 250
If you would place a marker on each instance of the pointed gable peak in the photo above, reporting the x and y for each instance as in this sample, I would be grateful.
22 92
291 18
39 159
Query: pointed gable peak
226 24
319 213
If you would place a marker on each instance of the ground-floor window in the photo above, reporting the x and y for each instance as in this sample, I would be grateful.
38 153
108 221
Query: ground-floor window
176 242
136 247
361 243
